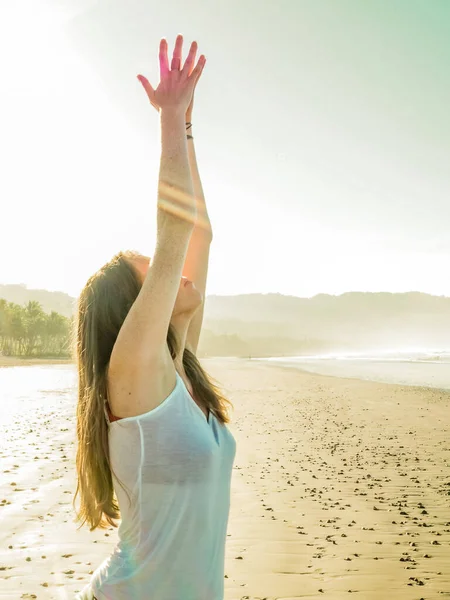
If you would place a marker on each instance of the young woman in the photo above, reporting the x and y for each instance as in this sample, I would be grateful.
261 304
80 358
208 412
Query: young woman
153 446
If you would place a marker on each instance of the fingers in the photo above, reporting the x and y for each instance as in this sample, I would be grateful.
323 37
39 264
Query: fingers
163 59
147 87
199 67
188 68
189 64
176 60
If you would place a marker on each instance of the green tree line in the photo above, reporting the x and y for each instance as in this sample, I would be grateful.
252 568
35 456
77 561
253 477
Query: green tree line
27 331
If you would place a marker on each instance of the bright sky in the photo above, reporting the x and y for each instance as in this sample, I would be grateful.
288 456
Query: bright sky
321 131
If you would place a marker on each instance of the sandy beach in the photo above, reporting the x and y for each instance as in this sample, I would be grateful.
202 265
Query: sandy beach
341 488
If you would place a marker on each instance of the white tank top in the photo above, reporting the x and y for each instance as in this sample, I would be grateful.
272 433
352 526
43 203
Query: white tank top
172 538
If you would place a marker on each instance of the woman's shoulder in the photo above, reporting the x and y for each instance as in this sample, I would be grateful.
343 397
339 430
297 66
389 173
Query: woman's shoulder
138 390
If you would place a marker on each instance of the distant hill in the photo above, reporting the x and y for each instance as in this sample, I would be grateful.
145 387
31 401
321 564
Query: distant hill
60 302
352 320
273 324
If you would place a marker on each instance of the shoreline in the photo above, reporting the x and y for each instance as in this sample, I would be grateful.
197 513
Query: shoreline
294 367
6 361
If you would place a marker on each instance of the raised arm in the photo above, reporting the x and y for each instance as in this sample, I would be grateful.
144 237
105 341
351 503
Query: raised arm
197 259
142 339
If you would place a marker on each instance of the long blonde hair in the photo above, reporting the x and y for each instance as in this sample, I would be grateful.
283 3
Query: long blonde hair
102 308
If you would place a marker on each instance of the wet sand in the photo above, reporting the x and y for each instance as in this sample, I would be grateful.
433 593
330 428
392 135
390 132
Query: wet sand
340 489
12 361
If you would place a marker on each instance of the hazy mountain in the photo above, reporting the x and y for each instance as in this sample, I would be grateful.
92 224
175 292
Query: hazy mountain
353 319
273 324
60 302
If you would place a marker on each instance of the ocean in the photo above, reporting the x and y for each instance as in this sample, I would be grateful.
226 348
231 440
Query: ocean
26 390
417 367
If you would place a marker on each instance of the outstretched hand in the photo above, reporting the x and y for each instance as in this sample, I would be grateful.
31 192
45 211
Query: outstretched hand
176 88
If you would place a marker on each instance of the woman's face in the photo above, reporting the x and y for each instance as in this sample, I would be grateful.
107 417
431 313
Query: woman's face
188 298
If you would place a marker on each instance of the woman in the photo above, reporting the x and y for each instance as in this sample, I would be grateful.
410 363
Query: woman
153 446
